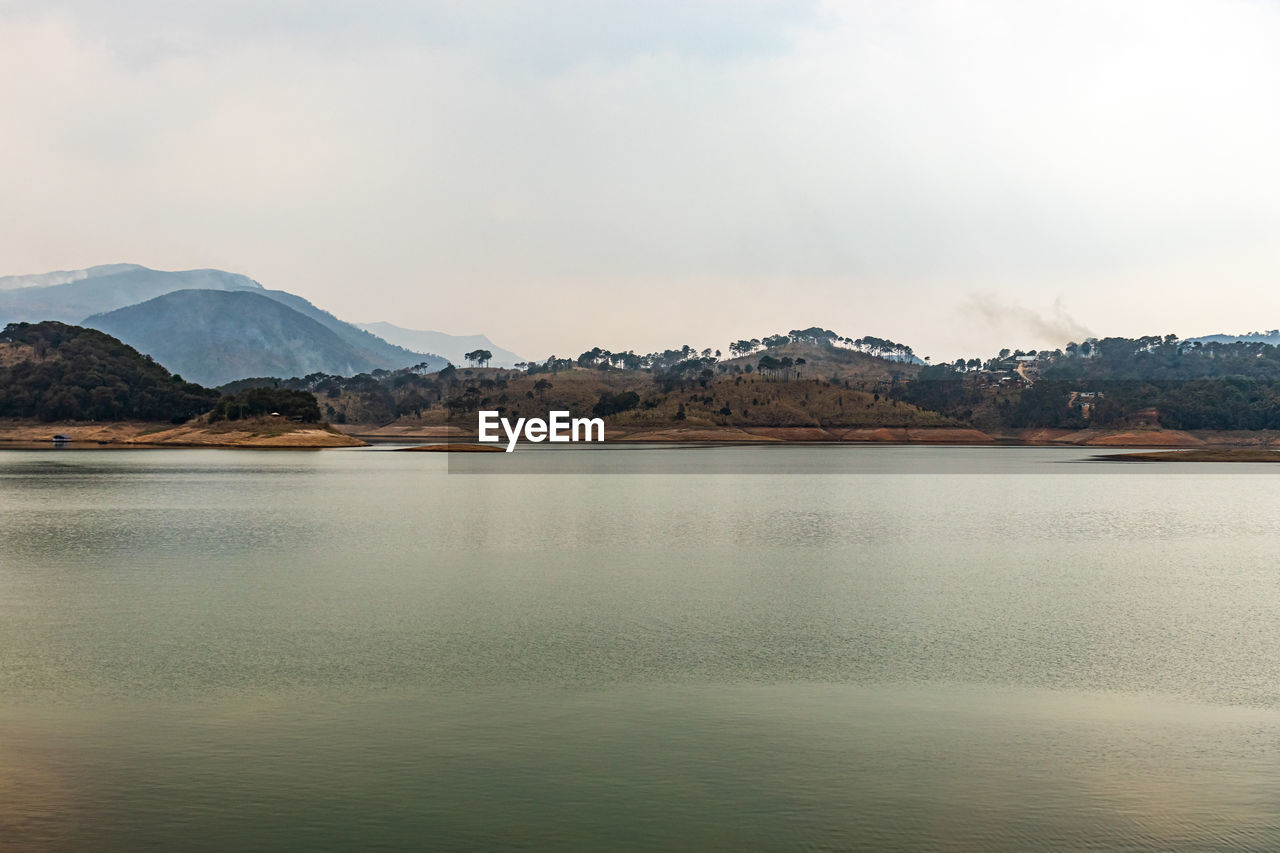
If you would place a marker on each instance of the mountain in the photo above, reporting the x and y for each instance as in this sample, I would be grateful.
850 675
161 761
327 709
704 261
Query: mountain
54 372
216 336
73 295
452 347
387 353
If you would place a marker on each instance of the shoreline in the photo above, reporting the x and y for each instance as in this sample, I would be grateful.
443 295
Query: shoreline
1225 454
281 433
941 436
258 433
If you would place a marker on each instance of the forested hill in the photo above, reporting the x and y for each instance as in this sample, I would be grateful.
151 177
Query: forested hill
1156 358
53 372
1152 380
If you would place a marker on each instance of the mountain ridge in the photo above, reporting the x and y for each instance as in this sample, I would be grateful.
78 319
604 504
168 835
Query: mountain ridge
72 301
47 279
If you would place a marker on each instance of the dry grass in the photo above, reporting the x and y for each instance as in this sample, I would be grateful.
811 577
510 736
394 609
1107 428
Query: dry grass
11 354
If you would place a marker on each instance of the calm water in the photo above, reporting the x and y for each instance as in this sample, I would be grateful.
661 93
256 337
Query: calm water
895 648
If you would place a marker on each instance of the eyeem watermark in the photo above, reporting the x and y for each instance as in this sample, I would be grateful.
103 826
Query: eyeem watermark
558 427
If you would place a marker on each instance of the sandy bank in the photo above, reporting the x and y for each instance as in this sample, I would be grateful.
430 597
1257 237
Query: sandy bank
1222 454
696 434
262 432
793 433
404 431
252 435
1145 438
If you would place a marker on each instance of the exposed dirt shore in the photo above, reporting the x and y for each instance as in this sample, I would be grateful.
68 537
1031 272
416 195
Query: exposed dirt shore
280 432
260 432
1126 437
1222 454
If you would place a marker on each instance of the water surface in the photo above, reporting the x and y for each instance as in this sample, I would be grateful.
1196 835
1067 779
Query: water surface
771 648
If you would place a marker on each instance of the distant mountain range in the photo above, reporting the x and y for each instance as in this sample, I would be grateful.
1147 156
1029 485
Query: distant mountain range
71 296
1272 337
452 347
213 326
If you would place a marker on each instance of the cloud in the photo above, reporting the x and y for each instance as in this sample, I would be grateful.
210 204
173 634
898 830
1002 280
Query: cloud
567 174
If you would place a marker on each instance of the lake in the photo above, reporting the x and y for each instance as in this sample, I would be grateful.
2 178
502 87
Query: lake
637 648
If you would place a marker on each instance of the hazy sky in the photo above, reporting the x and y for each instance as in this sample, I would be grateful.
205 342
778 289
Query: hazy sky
558 175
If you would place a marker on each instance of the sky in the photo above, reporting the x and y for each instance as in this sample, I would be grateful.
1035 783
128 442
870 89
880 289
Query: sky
959 176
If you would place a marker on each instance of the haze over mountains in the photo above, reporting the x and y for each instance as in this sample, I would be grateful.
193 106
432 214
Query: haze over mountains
73 295
213 326
45 279
1271 337
452 347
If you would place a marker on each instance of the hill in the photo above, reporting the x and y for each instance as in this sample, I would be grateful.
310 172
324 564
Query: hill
452 347
52 371
214 337
795 384
835 363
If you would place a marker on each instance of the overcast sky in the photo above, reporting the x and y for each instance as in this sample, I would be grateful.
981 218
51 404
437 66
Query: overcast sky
957 175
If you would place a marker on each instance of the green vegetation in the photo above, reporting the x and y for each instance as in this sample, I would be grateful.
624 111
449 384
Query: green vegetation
53 372
612 404
256 402
1113 382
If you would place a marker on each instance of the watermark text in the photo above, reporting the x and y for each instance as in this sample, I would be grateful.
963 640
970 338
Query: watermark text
558 427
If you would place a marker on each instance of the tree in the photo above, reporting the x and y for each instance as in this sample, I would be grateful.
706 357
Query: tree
776 341
612 404
255 402
815 335
479 357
